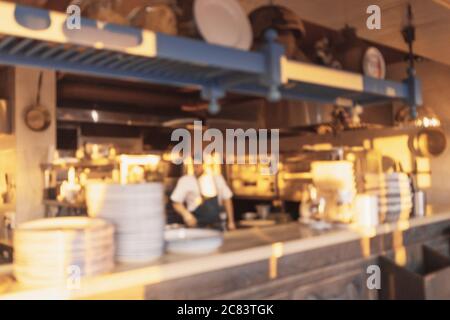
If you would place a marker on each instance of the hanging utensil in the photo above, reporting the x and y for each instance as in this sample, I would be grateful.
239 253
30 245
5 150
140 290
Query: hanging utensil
37 117
428 142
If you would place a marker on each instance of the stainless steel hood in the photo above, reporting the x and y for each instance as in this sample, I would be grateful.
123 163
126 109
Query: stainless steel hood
283 114
297 114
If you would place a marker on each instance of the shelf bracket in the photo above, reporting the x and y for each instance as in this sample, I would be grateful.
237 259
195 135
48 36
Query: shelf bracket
414 87
414 92
273 52
213 93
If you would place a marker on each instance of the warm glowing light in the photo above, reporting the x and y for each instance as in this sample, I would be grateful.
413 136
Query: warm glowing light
94 115
70 189
277 249
400 256
273 270
277 252
365 247
127 161
71 175
428 122
395 147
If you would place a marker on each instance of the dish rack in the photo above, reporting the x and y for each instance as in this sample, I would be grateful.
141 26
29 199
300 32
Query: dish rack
40 38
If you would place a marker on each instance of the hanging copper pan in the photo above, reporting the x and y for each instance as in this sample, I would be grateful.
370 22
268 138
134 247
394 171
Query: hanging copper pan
288 25
428 142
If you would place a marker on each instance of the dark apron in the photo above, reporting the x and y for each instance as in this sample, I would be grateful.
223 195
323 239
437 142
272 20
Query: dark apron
208 212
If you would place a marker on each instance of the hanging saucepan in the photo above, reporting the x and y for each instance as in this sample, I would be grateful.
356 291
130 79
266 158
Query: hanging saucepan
290 29
157 15
37 117
356 56
428 142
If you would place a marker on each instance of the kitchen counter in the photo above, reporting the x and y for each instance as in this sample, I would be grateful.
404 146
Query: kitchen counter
248 258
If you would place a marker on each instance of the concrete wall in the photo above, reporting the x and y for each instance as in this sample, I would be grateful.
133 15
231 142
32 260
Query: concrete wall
22 153
32 147
7 146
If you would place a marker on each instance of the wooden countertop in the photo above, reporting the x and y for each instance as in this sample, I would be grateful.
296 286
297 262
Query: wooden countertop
240 247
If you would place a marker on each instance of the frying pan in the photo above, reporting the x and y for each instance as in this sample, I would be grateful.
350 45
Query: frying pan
37 117
429 142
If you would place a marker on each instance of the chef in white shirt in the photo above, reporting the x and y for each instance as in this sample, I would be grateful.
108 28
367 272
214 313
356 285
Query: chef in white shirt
201 197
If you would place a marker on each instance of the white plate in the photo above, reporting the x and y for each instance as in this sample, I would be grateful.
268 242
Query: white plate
137 233
65 225
37 271
193 241
43 249
389 187
139 259
145 254
110 187
131 208
140 243
223 23
30 277
374 64
394 194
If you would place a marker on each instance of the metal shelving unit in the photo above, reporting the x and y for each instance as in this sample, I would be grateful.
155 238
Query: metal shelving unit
40 38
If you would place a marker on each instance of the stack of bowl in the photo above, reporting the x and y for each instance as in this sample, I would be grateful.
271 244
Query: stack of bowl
137 212
394 195
59 251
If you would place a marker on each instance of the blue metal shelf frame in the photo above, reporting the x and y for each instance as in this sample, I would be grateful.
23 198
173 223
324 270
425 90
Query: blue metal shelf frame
40 38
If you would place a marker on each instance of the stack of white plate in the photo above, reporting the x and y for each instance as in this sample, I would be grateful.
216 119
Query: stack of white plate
394 194
58 251
137 212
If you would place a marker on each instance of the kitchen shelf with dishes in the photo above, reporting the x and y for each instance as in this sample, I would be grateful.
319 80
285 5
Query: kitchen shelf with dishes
41 38
65 178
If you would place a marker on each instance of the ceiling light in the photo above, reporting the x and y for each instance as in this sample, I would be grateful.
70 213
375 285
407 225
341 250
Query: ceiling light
426 118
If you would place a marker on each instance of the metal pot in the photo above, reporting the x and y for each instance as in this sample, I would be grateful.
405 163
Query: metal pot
356 56
290 28
263 211
429 142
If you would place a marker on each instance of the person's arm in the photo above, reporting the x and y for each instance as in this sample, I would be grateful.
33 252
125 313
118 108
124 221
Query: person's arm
227 202
178 197
228 205
187 216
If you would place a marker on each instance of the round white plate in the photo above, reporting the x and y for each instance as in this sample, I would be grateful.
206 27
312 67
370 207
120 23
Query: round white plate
43 249
374 64
66 225
223 23
193 241
138 258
